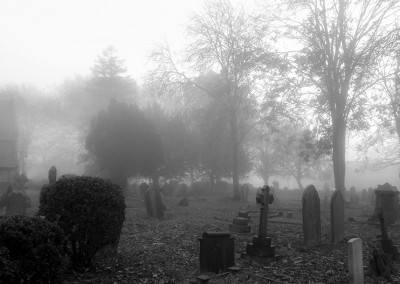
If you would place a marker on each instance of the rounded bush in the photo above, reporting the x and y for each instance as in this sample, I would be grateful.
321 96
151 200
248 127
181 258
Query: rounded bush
91 212
31 250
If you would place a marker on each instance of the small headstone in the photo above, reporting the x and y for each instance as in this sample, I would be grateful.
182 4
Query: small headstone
311 217
52 175
355 258
184 202
337 216
289 215
217 252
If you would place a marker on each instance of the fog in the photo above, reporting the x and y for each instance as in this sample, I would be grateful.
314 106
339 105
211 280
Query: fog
125 89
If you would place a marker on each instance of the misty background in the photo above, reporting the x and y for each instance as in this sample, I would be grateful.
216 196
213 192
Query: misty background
64 61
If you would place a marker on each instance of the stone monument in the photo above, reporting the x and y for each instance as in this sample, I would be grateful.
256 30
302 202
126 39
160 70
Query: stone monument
261 246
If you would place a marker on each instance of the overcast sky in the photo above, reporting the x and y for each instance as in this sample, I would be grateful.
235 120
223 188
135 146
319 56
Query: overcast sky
44 41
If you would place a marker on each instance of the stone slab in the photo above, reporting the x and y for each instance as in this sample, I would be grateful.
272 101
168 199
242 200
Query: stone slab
355 258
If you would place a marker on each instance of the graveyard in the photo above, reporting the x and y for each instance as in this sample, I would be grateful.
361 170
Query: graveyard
168 250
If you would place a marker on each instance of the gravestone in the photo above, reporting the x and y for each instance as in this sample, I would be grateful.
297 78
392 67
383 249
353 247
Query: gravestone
387 202
240 224
52 175
261 246
153 202
217 252
355 259
311 217
337 216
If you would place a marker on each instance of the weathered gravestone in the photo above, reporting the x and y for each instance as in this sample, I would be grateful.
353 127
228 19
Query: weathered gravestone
311 217
337 216
154 206
261 246
240 224
354 197
217 252
52 175
355 260
387 203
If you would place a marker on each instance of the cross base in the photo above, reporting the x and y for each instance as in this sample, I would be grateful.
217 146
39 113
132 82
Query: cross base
261 247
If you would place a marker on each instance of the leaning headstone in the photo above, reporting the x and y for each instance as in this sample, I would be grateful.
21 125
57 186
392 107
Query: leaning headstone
311 217
153 202
52 175
261 246
355 258
337 216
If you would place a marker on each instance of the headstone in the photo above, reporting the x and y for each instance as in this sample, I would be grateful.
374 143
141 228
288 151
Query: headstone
355 258
354 198
311 217
240 224
52 175
289 215
217 252
387 202
153 202
184 202
337 216
261 246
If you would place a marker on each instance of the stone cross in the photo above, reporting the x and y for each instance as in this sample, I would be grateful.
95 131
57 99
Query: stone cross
311 216
355 257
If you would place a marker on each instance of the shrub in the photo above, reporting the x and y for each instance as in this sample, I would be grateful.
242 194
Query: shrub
31 250
91 212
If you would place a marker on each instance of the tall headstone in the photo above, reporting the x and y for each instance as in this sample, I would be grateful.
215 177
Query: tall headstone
387 202
337 216
355 258
261 246
52 175
311 217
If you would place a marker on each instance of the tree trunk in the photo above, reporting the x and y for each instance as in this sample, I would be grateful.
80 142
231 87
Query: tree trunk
265 178
235 158
339 152
298 179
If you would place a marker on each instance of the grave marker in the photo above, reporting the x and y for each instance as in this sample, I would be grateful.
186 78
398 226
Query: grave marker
261 246
311 217
355 258
337 216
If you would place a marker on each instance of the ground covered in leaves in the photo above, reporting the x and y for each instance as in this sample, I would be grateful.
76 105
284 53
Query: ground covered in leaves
152 251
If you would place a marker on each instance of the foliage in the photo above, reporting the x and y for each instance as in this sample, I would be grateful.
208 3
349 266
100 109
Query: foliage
124 142
108 79
90 210
178 144
340 42
224 39
31 249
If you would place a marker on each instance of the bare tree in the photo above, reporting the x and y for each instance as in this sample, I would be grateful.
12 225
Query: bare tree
225 40
341 43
